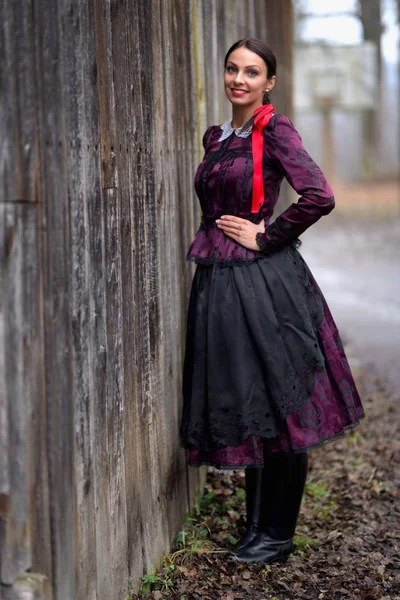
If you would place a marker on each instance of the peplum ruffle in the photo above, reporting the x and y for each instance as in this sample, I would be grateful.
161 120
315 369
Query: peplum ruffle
212 245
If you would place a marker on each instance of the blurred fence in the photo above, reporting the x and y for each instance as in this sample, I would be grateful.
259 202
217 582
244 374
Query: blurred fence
103 106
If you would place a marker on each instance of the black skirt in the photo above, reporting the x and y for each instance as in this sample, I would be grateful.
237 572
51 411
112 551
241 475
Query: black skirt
263 360
251 348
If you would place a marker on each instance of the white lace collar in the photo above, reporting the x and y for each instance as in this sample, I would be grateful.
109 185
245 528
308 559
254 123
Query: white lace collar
227 129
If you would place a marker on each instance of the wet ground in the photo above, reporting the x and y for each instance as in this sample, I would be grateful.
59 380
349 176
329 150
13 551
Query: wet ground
357 265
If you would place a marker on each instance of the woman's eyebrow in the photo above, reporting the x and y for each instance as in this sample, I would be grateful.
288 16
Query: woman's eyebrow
232 63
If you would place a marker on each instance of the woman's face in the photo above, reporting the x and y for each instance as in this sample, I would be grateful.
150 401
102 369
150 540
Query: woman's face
246 78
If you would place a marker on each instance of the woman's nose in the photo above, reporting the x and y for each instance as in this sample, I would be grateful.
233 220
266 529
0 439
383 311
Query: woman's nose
239 77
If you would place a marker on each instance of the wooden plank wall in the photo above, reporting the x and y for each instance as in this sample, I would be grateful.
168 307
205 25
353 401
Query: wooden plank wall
102 110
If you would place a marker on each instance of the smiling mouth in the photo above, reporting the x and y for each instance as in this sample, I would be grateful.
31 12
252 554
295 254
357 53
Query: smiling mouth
238 90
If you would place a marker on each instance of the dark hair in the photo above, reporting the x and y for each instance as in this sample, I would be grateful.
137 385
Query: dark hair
264 51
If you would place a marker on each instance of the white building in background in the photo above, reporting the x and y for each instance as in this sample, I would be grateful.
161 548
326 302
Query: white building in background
327 45
340 77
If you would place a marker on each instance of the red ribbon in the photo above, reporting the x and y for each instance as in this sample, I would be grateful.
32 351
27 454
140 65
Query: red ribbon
263 115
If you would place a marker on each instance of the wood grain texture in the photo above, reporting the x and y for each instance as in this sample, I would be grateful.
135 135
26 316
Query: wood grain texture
18 276
134 186
82 132
101 125
21 320
55 266
17 105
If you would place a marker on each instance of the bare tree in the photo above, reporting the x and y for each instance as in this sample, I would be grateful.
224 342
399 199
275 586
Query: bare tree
370 15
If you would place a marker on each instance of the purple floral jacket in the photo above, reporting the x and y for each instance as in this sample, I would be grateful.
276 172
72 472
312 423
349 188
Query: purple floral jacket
223 183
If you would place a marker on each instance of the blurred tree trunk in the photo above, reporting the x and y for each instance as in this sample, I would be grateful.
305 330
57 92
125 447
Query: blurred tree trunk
371 21
398 66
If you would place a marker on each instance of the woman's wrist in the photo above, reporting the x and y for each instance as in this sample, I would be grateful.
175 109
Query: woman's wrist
264 243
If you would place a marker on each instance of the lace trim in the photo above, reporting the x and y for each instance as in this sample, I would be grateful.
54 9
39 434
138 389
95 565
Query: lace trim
227 130
235 467
229 262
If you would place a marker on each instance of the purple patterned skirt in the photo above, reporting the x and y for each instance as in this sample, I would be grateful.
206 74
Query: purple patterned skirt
263 361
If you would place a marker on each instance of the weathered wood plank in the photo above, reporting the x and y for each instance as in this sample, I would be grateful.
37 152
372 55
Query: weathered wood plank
111 527
115 401
145 292
5 468
19 278
212 73
184 203
173 481
18 168
128 95
105 89
52 188
17 105
97 380
82 133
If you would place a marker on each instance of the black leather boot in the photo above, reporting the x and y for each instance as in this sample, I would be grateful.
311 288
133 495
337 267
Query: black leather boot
253 478
284 477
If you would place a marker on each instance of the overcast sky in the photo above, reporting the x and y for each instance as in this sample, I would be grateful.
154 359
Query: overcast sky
347 30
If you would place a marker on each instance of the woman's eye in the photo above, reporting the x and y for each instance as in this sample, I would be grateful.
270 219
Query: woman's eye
231 69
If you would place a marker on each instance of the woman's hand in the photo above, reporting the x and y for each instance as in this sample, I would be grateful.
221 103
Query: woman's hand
241 230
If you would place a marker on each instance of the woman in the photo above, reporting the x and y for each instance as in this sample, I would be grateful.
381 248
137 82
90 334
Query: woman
265 375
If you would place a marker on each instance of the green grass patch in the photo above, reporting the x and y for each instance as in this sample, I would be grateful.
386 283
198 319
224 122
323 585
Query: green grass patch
316 490
161 580
303 542
240 494
353 463
355 438
318 499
